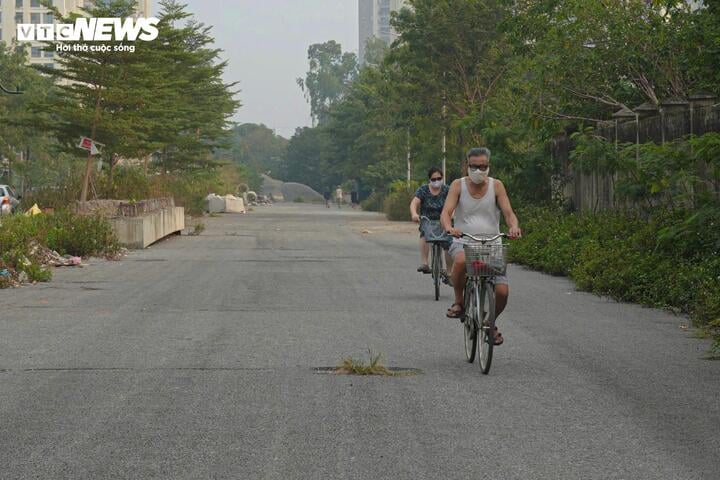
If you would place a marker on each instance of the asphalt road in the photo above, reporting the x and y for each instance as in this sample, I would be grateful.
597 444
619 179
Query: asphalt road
194 359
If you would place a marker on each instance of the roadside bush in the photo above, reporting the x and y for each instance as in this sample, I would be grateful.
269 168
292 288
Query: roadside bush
373 203
55 197
397 204
22 239
188 188
629 257
128 183
80 235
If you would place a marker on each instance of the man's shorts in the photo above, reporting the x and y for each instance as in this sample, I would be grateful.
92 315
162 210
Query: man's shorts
457 247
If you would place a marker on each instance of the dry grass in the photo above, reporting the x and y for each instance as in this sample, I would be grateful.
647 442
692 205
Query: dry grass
374 366
199 228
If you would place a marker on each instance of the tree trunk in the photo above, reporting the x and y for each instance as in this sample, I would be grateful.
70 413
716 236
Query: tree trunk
111 175
88 166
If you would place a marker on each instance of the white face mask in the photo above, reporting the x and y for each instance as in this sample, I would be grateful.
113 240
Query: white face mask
478 176
436 184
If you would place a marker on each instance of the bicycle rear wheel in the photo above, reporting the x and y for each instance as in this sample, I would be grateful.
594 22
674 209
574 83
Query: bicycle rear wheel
486 315
470 325
436 262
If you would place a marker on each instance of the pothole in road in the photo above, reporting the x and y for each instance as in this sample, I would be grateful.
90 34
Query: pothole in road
384 371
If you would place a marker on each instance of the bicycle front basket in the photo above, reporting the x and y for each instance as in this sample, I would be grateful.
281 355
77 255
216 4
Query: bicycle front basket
434 232
485 260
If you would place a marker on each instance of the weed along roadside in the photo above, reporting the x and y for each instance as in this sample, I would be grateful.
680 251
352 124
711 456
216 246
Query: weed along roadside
31 245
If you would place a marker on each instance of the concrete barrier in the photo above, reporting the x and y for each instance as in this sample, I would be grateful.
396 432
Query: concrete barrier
234 204
214 203
227 204
139 232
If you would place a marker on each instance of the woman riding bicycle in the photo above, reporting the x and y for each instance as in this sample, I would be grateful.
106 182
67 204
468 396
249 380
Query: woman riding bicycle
430 198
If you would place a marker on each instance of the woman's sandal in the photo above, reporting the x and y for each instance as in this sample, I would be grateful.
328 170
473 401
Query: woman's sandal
498 337
452 313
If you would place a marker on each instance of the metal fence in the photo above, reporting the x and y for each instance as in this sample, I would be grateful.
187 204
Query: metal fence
595 191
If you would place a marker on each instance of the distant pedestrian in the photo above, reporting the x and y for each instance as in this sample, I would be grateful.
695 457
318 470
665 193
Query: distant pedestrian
354 198
339 196
326 196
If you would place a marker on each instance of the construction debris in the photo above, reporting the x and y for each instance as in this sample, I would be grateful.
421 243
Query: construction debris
46 256
34 210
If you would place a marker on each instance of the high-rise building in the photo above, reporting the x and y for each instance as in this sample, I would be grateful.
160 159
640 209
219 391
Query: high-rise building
13 12
374 21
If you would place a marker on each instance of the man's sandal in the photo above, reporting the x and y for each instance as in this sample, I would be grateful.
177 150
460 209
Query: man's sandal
453 313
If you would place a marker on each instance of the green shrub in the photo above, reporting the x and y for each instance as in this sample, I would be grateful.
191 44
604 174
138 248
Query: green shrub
374 203
299 200
189 188
629 257
128 183
80 235
397 204
67 233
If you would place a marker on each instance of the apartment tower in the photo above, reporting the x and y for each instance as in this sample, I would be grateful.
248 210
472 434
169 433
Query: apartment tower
374 21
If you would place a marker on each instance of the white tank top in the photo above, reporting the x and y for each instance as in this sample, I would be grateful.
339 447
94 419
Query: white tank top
477 216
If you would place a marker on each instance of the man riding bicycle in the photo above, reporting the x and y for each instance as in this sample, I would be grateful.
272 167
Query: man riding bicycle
475 203
430 199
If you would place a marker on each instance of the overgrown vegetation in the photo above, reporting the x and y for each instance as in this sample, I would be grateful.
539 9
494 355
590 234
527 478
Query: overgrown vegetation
188 187
396 204
664 259
23 238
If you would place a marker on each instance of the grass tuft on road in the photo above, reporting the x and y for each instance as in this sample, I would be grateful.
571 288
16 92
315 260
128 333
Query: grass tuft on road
351 366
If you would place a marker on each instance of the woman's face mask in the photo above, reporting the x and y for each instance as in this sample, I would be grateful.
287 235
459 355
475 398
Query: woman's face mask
436 183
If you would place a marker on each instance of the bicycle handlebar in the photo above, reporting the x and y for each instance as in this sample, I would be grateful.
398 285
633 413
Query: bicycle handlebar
485 240
472 237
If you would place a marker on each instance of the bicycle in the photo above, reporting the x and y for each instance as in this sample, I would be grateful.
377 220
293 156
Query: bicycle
436 235
483 261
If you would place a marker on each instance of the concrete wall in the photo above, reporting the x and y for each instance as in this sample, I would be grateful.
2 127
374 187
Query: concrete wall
139 232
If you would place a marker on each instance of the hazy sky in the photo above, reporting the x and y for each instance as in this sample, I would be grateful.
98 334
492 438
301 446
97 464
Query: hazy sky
266 43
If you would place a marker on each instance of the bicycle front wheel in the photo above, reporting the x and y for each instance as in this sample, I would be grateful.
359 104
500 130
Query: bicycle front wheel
470 322
486 314
436 261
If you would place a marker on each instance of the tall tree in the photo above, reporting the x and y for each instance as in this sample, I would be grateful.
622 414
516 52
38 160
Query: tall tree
452 51
256 146
306 160
586 59
166 96
22 135
326 81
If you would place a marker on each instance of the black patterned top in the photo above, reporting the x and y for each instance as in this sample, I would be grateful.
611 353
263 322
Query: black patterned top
431 205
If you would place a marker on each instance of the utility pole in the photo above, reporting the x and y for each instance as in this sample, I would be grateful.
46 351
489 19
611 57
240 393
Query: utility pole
444 136
409 160
10 92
